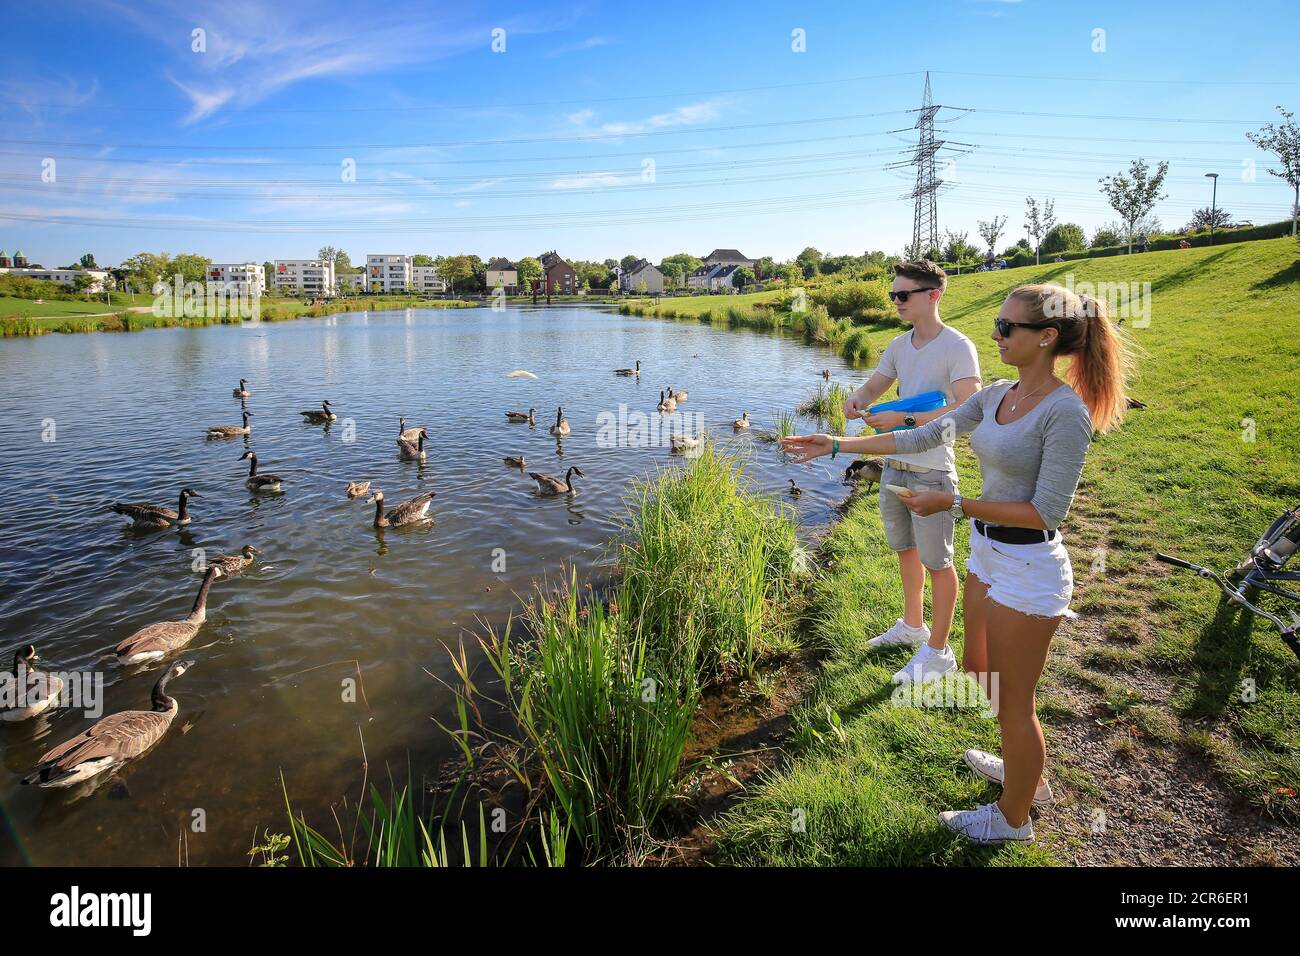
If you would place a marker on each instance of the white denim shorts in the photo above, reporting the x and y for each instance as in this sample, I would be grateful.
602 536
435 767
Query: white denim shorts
1033 579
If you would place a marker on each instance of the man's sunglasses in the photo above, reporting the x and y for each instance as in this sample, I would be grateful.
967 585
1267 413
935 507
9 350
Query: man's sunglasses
1005 328
902 296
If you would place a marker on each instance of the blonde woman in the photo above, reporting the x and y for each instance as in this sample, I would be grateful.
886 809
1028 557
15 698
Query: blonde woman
1031 437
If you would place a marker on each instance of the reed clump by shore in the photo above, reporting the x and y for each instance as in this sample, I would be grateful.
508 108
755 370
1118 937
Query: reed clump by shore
601 691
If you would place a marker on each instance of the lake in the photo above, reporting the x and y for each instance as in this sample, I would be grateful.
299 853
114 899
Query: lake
329 593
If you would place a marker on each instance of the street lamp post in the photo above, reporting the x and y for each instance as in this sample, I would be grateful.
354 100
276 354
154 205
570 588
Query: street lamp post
1214 198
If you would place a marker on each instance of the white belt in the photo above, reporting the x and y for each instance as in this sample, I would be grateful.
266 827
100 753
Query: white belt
907 466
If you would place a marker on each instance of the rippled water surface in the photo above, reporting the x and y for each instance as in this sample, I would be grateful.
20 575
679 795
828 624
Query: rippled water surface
329 592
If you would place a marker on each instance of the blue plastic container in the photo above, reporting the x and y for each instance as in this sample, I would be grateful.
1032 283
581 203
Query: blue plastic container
924 402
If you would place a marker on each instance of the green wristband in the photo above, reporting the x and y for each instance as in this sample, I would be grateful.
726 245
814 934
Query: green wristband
835 447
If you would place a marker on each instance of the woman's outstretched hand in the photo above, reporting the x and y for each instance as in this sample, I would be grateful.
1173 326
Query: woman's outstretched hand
806 447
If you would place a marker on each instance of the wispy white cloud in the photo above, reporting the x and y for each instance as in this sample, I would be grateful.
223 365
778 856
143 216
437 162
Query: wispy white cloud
46 99
687 115
591 43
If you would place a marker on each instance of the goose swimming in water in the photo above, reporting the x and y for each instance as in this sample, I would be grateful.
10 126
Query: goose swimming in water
256 482
242 391
320 416
681 444
112 741
34 692
230 565
158 640
678 396
408 512
668 404
232 431
515 461
561 426
629 371
410 434
356 489
530 417
413 451
151 517
549 486
741 423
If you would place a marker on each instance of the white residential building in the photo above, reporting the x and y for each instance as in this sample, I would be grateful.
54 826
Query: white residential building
641 276
426 281
349 282
308 276
244 278
98 277
388 274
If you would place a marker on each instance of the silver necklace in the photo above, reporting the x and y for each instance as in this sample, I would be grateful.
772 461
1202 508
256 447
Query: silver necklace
1021 398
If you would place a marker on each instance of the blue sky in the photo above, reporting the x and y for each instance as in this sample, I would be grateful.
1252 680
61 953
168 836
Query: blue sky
609 129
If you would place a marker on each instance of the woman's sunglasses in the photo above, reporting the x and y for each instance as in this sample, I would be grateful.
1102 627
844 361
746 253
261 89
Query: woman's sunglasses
1005 328
902 296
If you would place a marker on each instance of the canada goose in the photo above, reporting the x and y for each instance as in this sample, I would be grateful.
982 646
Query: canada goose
629 371
826 375
153 517
410 434
667 404
515 461
158 640
413 451
242 391
795 490
680 444
408 512
110 742
530 418
258 482
549 485
868 469
319 416
741 423
229 565
1135 403
231 431
561 426
357 488
678 396
34 691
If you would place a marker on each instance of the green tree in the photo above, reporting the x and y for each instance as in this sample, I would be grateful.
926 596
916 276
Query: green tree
420 259
628 262
454 269
809 261
1064 237
1135 195
990 230
1104 237
1038 221
145 268
1284 142
528 270
742 277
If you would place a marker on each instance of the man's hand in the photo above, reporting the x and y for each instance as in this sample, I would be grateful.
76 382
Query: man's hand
885 421
853 406
923 503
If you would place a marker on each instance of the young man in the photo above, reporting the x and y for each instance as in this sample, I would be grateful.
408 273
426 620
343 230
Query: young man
931 357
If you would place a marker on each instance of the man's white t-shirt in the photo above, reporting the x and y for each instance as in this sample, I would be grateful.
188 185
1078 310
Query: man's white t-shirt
947 357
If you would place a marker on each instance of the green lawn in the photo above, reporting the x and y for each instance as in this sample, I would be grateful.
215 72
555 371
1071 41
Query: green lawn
1179 476
11 307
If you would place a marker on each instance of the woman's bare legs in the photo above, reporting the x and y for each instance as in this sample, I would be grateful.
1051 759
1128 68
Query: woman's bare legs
1017 651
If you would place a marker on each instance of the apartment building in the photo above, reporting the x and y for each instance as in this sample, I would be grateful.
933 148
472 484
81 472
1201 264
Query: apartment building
350 282
244 278
17 265
641 276
389 274
426 281
307 276
502 274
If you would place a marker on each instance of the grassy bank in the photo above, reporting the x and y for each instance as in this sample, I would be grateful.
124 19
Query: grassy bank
1159 677
30 318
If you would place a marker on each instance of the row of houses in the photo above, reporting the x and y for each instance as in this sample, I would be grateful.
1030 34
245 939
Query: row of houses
715 275
398 274
17 265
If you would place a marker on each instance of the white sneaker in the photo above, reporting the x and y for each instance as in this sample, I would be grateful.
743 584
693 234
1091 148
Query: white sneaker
901 633
986 824
991 768
926 665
